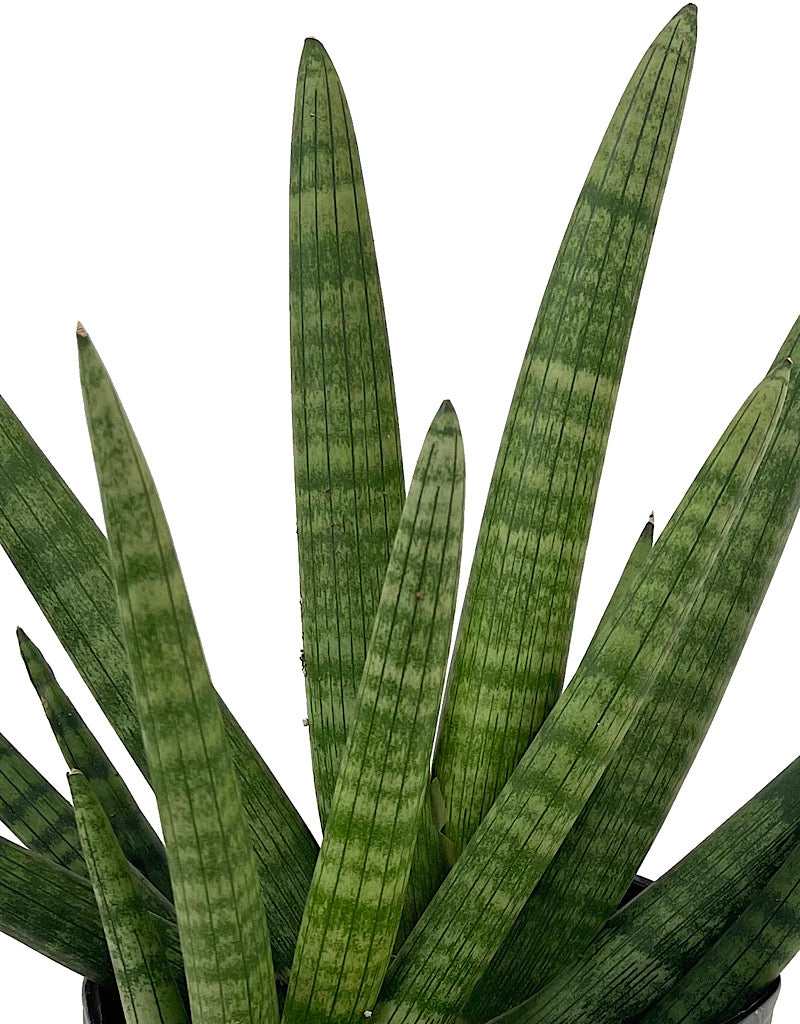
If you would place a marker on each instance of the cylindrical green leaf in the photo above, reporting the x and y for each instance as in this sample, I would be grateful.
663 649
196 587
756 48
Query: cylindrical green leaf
220 917
512 643
356 897
144 978
348 469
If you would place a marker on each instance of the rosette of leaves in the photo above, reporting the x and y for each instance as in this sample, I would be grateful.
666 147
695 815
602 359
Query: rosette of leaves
481 823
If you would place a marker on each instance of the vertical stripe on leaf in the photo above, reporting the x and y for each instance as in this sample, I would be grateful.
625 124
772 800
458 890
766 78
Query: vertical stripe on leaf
144 977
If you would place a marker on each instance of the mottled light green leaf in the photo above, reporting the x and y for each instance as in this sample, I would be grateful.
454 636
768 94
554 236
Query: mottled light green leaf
63 558
747 957
650 944
36 812
135 834
144 977
220 918
593 868
476 905
356 898
348 469
511 648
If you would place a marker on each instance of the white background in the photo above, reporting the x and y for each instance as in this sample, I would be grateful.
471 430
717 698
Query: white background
143 174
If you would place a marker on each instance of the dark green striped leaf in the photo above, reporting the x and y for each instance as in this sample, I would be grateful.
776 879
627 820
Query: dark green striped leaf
136 836
650 944
54 911
63 558
431 860
593 868
35 812
356 897
348 468
473 910
511 648
144 977
221 921
749 955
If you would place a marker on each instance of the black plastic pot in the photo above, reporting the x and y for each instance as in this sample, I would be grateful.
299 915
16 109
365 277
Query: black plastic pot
102 1006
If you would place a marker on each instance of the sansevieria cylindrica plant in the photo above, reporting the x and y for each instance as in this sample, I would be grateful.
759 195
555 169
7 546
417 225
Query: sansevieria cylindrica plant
481 822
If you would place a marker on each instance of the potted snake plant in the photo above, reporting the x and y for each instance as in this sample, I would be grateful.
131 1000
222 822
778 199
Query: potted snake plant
481 823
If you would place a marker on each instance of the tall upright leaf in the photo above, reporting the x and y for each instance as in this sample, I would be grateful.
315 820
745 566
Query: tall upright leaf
474 909
651 943
81 750
220 918
144 977
511 648
348 470
63 558
593 868
356 897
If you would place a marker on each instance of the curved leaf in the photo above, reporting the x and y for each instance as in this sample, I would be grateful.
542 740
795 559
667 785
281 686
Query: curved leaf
749 955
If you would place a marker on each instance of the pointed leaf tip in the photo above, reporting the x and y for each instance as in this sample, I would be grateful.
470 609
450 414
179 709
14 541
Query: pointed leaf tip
446 416
81 331
313 49
651 518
